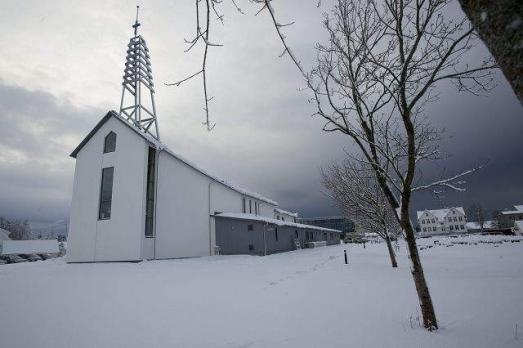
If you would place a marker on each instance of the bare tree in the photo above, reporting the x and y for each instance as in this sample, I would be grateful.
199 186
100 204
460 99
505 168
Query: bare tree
500 24
378 70
476 211
202 34
19 229
352 185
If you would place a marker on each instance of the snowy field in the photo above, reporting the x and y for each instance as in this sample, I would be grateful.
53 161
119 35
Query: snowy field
306 298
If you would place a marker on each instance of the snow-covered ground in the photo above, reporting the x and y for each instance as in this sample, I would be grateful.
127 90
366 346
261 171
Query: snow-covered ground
307 298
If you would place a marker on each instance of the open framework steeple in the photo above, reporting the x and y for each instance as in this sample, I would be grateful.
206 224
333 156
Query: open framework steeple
138 86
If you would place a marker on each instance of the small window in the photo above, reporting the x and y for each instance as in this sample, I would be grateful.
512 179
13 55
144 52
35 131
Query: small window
462 227
106 193
250 227
424 229
422 221
460 218
296 232
251 247
244 210
110 142
276 232
434 228
433 221
451 228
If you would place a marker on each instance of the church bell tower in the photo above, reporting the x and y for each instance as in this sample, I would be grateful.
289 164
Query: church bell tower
137 104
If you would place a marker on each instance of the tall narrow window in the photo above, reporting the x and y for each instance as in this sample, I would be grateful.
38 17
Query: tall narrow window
106 193
110 142
149 198
250 206
243 205
276 232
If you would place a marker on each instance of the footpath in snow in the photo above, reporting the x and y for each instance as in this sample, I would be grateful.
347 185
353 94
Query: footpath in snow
306 298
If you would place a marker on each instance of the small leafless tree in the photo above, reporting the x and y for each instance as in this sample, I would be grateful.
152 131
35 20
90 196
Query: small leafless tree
476 212
352 185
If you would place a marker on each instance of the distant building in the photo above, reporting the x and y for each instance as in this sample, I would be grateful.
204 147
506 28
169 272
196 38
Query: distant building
341 223
518 227
507 218
442 221
280 214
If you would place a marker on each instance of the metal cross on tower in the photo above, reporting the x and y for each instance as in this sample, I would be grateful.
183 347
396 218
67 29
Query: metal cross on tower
137 80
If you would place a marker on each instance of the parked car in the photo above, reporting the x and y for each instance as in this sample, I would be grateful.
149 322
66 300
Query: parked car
3 262
31 257
13 258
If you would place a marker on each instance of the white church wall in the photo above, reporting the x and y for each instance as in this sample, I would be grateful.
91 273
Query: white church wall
120 237
182 210
186 200
84 207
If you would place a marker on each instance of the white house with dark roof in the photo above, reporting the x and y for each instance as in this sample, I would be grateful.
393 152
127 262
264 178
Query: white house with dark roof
135 199
442 221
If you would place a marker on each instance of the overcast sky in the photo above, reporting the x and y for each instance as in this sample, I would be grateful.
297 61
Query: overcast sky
61 68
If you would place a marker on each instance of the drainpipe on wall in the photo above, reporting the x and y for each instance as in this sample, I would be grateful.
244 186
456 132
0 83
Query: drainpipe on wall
210 224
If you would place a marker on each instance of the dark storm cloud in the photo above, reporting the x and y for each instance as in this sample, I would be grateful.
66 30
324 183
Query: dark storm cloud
37 135
265 139
479 130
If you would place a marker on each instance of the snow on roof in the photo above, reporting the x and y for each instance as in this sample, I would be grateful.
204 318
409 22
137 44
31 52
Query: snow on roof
252 217
518 210
161 147
316 218
440 213
4 235
281 211
29 246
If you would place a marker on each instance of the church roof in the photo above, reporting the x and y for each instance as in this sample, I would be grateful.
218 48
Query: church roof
281 211
160 146
259 218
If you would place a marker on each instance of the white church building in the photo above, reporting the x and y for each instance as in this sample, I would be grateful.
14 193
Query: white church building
135 199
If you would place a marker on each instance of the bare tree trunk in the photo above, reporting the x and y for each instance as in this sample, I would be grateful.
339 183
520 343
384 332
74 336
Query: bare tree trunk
499 23
427 309
391 251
